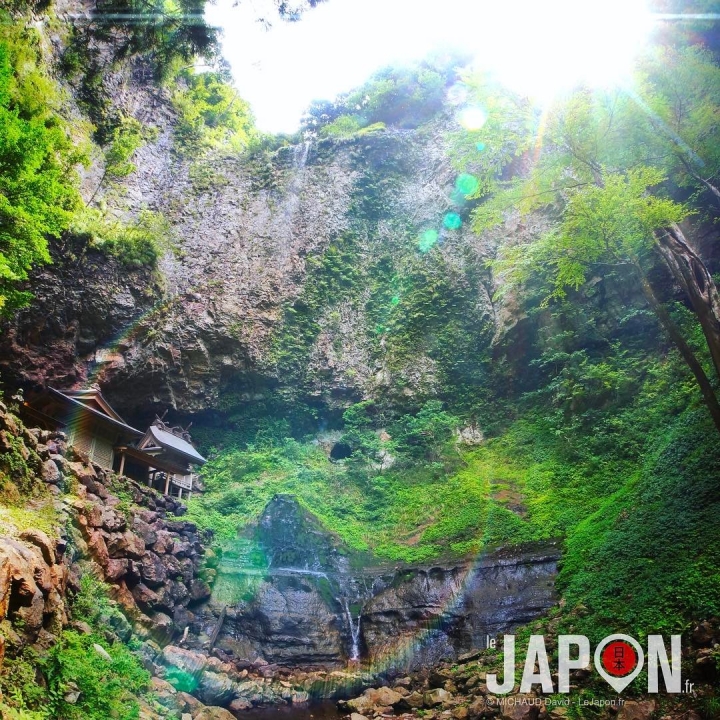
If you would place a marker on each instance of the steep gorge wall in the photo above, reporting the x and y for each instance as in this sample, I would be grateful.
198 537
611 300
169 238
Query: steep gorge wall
250 230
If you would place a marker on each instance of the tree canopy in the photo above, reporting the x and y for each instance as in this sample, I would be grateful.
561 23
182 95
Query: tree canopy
619 170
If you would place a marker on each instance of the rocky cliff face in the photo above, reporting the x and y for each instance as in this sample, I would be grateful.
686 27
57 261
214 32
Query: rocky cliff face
314 603
250 237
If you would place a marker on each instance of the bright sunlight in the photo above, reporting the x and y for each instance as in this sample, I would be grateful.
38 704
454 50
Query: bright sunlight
538 48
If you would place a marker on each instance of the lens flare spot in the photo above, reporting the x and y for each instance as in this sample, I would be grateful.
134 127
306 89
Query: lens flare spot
472 118
480 146
427 240
452 221
467 184
395 300
457 198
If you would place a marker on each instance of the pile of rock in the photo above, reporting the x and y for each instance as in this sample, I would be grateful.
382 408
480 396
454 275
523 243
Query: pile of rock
33 580
152 559
223 684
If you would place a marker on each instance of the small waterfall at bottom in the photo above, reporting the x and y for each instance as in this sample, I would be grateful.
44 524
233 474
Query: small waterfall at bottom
354 630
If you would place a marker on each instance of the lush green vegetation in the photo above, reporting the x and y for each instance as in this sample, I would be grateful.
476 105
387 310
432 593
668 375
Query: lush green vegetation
596 431
403 97
593 403
38 193
136 244
79 682
211 114
609 454
611 168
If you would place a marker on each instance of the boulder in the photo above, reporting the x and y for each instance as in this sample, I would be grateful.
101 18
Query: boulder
632 710
384 697
438 678
113 521
357 716
171 595
160 627
124 597
199 590
703 634
181 549
102 652
478 708
188 661
144 596
186 702
153 570
145 531
362 705
40 540
216 688
413 701
436 697
85 475
98 548
26 580
163 542
126 544
238 706
116 569
32 614
213 713
164 692
519 707
373 699
50 472
94 515
148 653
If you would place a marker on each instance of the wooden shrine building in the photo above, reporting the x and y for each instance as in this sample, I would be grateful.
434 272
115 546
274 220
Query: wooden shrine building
163 457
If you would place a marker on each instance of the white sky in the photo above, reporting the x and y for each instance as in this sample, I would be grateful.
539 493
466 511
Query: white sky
537 46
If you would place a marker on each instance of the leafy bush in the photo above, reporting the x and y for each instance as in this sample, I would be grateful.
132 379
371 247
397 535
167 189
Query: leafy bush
424 435
402 97
210 115
127 137
136 245
168 35
106 688
647 560
35 685
93 605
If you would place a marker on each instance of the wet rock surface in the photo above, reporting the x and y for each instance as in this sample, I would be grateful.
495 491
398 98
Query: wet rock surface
314 603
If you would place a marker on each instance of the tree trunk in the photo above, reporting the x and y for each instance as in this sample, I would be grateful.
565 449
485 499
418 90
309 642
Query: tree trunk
685 350
692 274
703 181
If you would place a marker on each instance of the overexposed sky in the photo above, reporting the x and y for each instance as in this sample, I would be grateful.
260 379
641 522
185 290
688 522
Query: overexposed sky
537 46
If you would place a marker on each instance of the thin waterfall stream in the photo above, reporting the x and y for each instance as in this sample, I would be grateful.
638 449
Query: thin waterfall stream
354 630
